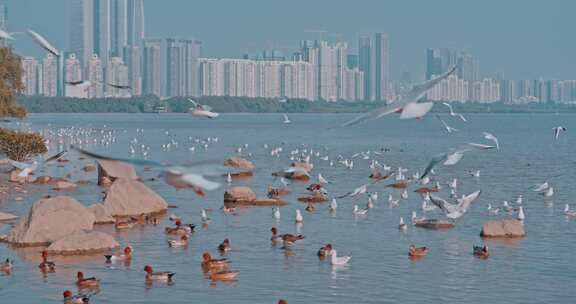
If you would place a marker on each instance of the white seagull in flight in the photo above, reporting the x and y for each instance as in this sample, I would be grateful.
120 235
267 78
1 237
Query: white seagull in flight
44 43
557 131
448 128
490 136
452 113
408 105
202 110
454 211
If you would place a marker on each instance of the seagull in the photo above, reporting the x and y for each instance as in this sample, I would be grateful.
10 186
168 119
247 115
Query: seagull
27 168
286 119
569 212
521 215
404 194
408 105
490 136
333 205
454 211
336 260
548 193
492 210
374 196
190 176
402 226
204 216
6 35
276 213
451 158
519 200
229 178
360 190
321 179
452 113
541 187
201 110
448 128
358 211
299 218
44 43
557 131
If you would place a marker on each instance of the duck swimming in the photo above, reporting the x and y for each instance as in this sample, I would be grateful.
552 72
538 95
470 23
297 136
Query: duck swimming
164 276
224 275
481 251
127 255
325 251
209 263
6 267
83 282
414 251
183 241
70 298
224 246
46 266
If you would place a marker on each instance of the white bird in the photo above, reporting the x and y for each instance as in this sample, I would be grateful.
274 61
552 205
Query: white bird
201 110
454 114
569 212
426 207
521 215
336 260
286 119
408 105
229 178
6 35
358 211
402 225
541 187
507 207
453 184
448 128
454 211
321 179
416 219
333 205
557 131
204 216
452 157
374 196
392 202
475 173
370 203
360 190
276 213
44 43
548 193
27 168
492 210
519 200
404 194
299 218
490 136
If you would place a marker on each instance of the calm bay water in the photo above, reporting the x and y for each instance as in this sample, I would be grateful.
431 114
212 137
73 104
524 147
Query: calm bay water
538 268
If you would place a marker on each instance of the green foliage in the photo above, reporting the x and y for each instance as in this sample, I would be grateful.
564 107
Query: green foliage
20 146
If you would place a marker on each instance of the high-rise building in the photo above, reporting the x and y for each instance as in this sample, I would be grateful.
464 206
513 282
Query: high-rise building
132 56
382 65
81 26
3 22
152 67
72 69
117 74
50 76
30 76
96 77
367 64
182 67
433 63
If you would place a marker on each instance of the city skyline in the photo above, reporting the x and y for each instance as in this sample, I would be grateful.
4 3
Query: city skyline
500 46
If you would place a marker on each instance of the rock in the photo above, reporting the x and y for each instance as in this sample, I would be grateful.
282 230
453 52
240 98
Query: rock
89 168
239 194
314 199
274 192
102 216
258 202
304 165
14 178
238 162
83 242
51 219
109 170
434 224
131 197
507 228
64 185
43 180
7 217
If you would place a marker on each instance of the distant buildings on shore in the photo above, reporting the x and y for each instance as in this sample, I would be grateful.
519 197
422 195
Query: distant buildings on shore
108 46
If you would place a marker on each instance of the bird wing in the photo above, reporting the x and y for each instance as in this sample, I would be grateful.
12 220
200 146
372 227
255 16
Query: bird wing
442 204
194 103
433 162
481 146
466 201
138 162
44 43
56 156
199 181
556 132
416 110
385 110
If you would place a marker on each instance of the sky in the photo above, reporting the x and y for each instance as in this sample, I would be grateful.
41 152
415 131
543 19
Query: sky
523 39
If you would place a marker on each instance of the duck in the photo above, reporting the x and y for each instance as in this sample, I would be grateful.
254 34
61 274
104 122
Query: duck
46 266
127 255
6 266
286 238
281 301
122 225
224 246
481 251
224 275
339 261
569 212
310 208
402 226
299 218
325 251
227 209
164 276
174 217
414 251
182 242
83 282
70 298
180 228
209 263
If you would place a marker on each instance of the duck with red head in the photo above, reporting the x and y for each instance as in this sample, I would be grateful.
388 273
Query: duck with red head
46 266
288 239
282 302
224 246
83 282
126 256
70 298
208 263
180 228
164 276
182 242
325 251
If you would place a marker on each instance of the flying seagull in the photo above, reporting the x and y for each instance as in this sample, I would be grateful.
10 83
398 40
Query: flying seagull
202 110
452 157
118 86
454 211
44 43
6 35
490 136
286 119
408 105
448 128
193 175
452 113
27 168
557 131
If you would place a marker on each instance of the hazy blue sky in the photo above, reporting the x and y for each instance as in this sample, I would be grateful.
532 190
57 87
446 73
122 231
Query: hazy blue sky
522 38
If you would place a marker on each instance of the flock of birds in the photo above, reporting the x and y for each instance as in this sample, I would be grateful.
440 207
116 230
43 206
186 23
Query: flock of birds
204 176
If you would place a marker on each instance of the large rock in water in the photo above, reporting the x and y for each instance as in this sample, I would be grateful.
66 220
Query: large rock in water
239 194
130 197
101 214
109 171
238 162
434 224
508 228
83 242
51 219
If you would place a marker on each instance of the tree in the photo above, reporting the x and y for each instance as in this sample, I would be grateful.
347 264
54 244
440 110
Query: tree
15 145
